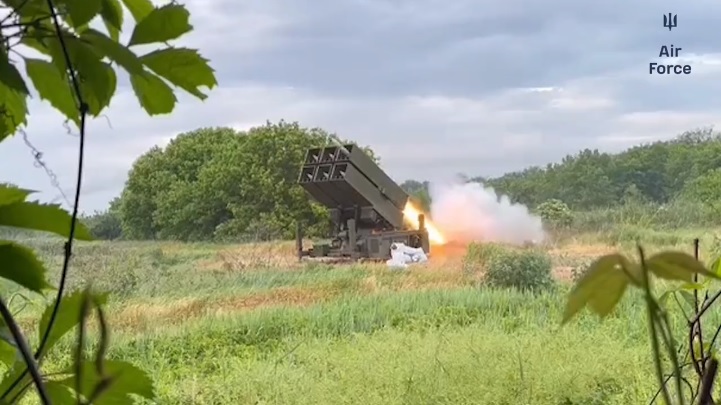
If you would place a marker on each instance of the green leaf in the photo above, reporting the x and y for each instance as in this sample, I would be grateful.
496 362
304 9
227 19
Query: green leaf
19 264
41 217
687 296
13 111
67 318
13 98
10 76
114 50
139 9
16 372
81 11
677 266
29 8
97 79
112 13
601 287
9 352
161 25
60 393
100 87
124 379
716 266
154 95
53 87
692 286
183 67
11 194
663 299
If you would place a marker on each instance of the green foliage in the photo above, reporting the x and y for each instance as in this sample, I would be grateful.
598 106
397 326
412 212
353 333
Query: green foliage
508 267
104 225
655 173
76 75
705 189
21 265
67 317
93 56
218 183
556 213
603 285
605 281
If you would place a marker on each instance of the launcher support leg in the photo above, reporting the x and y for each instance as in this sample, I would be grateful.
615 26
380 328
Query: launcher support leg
299 240
425 243
352 239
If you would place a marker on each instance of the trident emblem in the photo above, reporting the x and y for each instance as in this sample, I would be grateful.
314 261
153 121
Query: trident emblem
670 21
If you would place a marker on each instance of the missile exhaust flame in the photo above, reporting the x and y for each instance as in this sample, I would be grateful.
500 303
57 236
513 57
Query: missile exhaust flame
411 213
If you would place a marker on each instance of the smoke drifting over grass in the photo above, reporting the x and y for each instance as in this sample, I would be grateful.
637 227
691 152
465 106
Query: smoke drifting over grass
468 212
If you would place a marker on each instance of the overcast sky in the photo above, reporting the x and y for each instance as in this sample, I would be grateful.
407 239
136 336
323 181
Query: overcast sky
435 87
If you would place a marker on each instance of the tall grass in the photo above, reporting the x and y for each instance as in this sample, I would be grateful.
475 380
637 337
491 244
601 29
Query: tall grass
425 335
465 346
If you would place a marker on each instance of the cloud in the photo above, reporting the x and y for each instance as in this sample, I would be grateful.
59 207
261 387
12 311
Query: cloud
436 88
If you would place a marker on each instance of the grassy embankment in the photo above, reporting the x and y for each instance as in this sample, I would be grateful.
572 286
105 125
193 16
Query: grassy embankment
246 324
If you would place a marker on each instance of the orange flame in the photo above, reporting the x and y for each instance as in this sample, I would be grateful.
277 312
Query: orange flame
411 213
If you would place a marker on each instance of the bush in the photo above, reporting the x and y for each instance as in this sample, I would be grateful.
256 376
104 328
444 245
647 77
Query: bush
555 213
104 225
523 269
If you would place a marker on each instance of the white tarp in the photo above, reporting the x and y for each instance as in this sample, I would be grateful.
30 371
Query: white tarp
403 255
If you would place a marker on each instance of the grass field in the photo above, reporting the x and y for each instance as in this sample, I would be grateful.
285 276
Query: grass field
247 324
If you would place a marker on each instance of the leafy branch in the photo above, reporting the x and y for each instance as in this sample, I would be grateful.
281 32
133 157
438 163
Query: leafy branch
76 74
604 284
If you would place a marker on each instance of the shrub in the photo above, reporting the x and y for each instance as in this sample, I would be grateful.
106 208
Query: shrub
523 269
555 213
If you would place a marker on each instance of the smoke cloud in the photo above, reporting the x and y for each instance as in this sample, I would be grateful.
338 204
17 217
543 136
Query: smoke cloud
468 212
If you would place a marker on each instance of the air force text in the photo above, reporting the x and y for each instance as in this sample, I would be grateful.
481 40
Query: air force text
668 69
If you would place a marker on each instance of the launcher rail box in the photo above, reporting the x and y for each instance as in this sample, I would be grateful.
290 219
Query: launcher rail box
365 204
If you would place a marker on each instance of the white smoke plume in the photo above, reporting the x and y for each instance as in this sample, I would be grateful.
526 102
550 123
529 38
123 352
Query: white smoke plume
468 212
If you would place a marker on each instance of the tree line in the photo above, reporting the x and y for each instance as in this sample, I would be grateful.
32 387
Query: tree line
660 172
224 184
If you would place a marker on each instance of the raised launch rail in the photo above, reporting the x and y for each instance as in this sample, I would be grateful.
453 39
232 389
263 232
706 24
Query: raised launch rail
366 205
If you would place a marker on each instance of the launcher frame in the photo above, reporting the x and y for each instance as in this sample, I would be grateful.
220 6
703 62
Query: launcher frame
365 204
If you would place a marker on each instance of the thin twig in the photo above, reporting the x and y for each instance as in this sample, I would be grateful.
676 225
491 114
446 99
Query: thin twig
652 327
669 342
705 307
25 352
707 383
82 108
698 329
79 348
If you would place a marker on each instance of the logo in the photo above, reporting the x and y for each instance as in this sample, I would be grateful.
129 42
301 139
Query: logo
670 21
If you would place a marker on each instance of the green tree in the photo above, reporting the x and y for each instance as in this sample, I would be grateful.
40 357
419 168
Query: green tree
163 196
705 189
105 225
76 72
656 173
222 183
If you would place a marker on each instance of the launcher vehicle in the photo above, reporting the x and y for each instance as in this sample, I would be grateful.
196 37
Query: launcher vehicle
366 206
